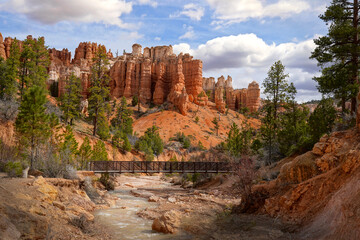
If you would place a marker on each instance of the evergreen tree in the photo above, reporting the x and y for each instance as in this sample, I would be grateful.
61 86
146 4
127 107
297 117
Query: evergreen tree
103 127
126 146
41 60
238 141
150 143
99 152
135 100
338 52
276 87
278 92
9 72
215 121
32 123
84 154
120 140
122 120
322 119
268 131
71 99
293 135
99 90
69 146
34 61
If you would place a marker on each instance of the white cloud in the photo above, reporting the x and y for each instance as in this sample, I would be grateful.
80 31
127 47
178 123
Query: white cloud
247 57
157 39
190 34
191 10
154 4
54 11
234 11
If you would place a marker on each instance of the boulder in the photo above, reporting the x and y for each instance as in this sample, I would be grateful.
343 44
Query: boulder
169 222
49 192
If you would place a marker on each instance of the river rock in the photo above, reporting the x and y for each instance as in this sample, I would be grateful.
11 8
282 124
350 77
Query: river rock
141 193
172 199
168 222
154 198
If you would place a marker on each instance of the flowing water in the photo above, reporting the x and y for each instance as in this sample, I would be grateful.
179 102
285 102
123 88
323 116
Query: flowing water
122 218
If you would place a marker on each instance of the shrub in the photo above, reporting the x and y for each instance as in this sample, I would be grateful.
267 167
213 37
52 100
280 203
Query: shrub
150 143
180 137
14 169
135 100
196 119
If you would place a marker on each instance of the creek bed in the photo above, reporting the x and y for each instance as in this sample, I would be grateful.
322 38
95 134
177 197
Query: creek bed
123 221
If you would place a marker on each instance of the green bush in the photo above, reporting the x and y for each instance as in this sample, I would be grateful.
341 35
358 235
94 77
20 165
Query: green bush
14 169
135 100
196 119
180 137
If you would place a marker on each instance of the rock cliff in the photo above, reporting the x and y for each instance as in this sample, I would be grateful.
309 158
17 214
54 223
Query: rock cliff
233 98
158 75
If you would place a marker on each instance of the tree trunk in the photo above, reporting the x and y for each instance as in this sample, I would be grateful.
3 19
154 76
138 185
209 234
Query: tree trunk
355 56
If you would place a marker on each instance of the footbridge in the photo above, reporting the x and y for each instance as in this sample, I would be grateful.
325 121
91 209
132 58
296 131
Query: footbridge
160 167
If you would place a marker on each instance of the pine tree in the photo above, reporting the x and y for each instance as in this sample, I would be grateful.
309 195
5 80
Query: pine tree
215 121
126 146
41 59
99 90
32 123
84 154
293 133
338 52
122 120
34 61
9 72
238 141
150 143
120 140
103 127
99 152
322 119
278 92
71 99
69 146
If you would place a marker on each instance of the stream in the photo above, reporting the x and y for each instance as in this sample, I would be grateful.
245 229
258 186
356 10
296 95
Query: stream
122 218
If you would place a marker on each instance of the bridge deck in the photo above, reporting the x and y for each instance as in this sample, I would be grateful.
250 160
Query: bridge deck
160 167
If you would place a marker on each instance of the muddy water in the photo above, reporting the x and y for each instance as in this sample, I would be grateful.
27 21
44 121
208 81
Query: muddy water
122 219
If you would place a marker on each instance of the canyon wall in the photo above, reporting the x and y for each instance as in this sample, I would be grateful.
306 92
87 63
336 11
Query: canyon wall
234 99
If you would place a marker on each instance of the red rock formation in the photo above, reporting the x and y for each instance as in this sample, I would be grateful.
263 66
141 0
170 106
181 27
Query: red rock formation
178 95
145 85
235 99
63 56
253 99
219 99
192 70
7 43
2 47
152 76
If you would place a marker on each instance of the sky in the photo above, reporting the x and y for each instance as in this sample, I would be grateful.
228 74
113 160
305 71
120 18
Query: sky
240 38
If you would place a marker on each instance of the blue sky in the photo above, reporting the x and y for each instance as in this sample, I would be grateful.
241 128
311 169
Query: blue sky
240 38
